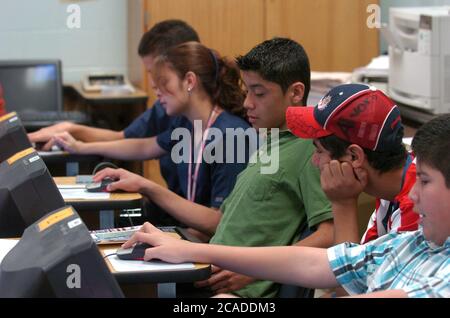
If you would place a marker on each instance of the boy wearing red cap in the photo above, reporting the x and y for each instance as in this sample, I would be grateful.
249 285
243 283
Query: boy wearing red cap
358 134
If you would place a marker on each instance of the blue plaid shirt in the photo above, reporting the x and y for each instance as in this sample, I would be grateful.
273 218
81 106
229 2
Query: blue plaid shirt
395 261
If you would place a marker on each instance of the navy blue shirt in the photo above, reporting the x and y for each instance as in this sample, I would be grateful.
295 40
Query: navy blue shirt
150 123
216 179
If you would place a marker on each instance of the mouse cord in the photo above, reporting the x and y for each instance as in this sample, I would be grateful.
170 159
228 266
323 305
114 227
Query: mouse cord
109 255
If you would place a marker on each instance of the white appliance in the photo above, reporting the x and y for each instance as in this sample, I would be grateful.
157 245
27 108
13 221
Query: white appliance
419 57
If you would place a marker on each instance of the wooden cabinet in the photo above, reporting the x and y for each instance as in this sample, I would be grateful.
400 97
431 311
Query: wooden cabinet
334 32
230 26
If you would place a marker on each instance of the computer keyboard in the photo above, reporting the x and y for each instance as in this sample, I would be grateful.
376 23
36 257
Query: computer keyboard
41 119
51 116
121 234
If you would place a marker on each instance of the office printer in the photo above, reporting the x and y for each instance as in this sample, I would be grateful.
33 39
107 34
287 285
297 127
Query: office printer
419 58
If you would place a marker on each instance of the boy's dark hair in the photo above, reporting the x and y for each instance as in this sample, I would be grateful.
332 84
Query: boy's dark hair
431 145
164 35
382 161
280 60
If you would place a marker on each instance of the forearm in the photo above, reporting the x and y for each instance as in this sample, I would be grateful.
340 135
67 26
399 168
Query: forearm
323 237
125 149
346 227
397 293
92 134
196 216
302 266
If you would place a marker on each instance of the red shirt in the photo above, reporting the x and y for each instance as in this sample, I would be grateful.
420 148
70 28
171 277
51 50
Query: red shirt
394 216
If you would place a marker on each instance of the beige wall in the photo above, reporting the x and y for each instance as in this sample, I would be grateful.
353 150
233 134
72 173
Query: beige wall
134 32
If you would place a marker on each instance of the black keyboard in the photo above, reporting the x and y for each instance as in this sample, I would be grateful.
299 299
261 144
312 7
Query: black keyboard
34 119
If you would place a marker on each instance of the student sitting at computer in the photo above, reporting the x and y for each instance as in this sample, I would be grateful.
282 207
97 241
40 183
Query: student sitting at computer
264 209
410 264
354 159
200 87
152 122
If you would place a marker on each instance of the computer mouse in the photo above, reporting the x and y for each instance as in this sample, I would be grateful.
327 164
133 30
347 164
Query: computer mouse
99 186
135 253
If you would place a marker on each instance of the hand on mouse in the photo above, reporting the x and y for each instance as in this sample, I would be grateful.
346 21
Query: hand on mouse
165 246
126 180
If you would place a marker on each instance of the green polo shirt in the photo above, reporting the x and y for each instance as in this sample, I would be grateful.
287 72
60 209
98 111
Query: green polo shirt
269 209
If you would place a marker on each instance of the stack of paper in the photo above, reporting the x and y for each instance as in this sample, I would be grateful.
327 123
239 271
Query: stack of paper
140 266
79 193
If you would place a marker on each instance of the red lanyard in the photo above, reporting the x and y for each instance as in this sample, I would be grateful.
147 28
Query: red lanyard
192 178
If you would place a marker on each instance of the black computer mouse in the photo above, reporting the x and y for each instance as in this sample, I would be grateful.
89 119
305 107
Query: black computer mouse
135 253
99 186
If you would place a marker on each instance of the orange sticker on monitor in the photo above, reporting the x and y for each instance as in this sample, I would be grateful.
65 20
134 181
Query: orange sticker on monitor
20 155
7 116
55 218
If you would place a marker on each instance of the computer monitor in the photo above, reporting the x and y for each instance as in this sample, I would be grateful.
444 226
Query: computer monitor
31 85
56 257
13 137
27 192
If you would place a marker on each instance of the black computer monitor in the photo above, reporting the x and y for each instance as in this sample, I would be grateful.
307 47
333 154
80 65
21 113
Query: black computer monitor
27 192
13 137
32 85
56 257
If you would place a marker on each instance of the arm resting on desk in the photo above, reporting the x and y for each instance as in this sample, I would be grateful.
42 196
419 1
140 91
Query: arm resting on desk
125 149
199 217
80 132
92 134
304 266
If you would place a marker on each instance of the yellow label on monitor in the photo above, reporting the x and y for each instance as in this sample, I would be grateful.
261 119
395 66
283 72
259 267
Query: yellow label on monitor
20 155
54 218
7 116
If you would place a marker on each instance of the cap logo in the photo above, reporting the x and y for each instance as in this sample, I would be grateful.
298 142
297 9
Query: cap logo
323 103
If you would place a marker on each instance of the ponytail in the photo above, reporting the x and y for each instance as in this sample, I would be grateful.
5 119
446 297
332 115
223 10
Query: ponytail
226 90
218 77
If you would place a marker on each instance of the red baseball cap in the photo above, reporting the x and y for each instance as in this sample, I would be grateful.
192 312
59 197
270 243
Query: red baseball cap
357 113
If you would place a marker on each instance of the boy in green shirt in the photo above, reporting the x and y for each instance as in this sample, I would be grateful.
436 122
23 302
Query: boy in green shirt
263 209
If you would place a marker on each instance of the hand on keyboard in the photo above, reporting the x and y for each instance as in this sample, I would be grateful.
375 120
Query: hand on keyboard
66 142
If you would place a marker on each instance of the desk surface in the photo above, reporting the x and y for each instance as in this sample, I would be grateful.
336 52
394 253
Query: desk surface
116 201
93 97
199 272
